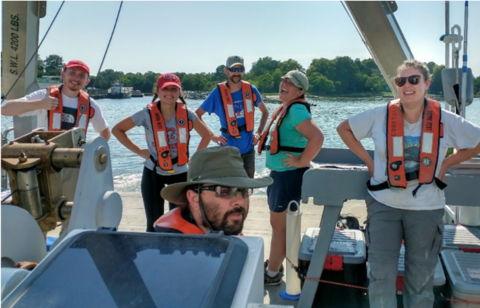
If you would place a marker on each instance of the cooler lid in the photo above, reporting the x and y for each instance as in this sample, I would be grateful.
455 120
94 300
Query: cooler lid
463 270
459 236
348 243
120 269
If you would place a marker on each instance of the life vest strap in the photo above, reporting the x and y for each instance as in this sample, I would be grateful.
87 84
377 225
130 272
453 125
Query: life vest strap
240 128
155 162
410 177
286 149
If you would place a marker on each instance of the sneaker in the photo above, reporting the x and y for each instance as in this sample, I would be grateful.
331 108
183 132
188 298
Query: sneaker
272 281
265 266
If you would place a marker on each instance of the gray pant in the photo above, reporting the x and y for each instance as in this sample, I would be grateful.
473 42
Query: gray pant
422 233
249 162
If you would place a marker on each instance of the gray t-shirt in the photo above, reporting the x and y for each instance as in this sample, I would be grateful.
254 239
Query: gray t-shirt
142 118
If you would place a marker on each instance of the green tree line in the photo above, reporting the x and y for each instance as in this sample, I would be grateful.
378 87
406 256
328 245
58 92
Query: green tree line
336 77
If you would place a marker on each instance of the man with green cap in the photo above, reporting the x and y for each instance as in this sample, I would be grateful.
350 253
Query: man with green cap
215 196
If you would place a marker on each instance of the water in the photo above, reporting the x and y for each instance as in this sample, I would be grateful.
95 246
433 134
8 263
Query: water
127 167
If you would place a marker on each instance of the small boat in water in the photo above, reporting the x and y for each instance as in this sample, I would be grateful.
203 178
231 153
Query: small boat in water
137 93
117 90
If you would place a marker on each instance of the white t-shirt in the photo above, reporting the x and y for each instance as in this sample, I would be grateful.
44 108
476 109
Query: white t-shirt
458 133
70 109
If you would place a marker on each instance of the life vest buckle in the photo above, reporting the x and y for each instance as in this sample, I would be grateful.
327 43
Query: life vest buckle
171 171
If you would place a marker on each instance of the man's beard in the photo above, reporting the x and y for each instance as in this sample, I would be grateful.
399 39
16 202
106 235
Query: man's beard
238 79
212 213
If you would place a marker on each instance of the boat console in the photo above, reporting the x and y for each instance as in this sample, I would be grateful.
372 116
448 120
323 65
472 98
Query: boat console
104 268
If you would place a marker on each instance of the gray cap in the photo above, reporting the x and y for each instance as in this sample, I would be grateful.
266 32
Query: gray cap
298 78
221 165
234 60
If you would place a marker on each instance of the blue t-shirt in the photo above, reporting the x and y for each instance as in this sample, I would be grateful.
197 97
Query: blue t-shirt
213 104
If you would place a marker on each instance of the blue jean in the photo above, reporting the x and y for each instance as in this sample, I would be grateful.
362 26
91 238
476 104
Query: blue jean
422 233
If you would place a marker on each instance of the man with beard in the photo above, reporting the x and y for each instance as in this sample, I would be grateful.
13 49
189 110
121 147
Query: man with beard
214 197
60 108
234 102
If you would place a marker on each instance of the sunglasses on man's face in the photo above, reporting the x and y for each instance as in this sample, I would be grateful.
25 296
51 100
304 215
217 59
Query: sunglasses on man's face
227 192
236 69
413 80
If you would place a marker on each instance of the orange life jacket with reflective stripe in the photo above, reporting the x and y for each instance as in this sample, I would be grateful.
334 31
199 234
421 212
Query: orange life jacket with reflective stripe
184 126
174 220
275 145
432 131
249 99
84 111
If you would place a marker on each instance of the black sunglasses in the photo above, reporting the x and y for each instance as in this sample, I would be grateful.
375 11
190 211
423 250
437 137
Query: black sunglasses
236 69
413 80
227 192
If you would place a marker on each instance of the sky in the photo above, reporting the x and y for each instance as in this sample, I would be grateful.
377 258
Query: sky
194 36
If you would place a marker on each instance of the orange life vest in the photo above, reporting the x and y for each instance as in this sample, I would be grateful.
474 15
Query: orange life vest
174 220
432 131
249 99
84 111
275 145
184 126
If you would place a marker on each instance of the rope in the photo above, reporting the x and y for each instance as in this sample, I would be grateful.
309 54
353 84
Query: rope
365 288
11 194
109 41
35 53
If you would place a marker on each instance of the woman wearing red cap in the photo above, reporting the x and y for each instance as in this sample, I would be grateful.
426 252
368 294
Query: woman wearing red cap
167 124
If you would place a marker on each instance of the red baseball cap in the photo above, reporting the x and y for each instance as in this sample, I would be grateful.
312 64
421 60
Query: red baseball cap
169 79
77 63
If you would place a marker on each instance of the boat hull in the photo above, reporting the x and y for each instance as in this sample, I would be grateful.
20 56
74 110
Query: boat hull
118 95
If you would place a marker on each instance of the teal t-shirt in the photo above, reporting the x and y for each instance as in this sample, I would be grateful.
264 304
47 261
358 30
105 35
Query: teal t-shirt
289 136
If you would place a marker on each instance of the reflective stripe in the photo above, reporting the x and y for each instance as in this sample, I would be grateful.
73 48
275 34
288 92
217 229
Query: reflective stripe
427 143
82 123
249 105
57 121
398 146
161 138
182 135
230 111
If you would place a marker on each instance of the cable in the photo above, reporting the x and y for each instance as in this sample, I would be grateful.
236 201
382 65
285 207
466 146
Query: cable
35 53
111 36
11 194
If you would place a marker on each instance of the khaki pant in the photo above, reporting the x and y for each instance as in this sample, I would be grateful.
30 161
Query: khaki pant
422 233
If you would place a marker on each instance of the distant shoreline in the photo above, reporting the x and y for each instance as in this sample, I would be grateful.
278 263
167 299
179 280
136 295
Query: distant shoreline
202 95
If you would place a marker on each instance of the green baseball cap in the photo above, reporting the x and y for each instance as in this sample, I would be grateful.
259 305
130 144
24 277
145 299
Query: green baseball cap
221 165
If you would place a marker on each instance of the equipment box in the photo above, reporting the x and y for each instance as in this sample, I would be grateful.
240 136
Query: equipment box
463 272
345 263
461 237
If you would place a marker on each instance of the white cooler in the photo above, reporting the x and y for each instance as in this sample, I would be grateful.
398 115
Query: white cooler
463 272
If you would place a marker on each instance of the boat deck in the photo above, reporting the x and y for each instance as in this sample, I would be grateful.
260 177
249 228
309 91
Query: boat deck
257 224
